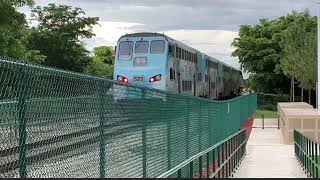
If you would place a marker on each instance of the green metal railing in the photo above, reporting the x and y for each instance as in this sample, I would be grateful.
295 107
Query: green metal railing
56 123
219 161
307 153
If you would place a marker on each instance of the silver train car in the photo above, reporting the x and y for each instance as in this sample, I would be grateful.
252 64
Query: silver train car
158 61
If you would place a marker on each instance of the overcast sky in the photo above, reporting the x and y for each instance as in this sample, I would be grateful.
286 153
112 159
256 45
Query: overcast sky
207 25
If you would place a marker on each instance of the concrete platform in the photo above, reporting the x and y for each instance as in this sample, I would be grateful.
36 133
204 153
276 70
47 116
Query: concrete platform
267 156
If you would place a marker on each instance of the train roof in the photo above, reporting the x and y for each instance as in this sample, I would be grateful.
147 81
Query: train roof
153 34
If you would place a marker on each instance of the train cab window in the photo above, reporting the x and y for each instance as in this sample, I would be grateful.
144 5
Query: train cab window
141 47
157 47
125 50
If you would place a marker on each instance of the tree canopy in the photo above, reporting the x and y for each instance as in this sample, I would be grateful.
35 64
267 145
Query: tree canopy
13 28
102 64
58 34
56 40
274 51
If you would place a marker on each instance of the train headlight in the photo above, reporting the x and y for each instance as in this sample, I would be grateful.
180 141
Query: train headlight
122 79
155 78
140 61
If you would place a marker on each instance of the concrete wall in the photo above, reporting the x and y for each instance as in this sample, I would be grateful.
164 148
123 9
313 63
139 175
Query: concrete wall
300 116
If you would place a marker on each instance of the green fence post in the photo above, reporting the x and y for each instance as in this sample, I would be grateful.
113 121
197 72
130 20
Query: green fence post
200 128
187 129
144 141
168 140
102 131
210 125
22 110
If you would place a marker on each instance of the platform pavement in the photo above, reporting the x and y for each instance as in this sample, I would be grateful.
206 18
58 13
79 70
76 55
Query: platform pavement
267 156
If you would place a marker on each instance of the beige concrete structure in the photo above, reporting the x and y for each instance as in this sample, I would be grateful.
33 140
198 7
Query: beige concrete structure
267 156
300 116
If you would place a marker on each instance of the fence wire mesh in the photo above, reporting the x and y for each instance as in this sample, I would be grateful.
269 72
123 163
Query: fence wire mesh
55 123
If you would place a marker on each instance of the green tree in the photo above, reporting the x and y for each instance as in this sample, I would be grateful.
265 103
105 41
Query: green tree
268 50
259 53
58 36
13 28
298 51
103 61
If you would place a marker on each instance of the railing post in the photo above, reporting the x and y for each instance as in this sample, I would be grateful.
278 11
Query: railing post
213 162
262 121
316 160
22 110
208 165
191 170
278 122
200 166
102 131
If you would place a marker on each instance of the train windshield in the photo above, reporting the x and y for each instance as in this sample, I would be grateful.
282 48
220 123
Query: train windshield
125 50
157 47
141 47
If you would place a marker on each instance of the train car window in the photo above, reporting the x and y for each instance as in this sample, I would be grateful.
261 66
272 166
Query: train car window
187 55
141 47
182 57
192 57
157 47
171 74
125 50
177 52
183 85
171 50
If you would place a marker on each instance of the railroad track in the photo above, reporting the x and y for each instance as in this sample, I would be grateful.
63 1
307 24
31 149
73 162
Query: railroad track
55 146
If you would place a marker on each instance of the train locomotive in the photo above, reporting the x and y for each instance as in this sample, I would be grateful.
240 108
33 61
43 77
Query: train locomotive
157 61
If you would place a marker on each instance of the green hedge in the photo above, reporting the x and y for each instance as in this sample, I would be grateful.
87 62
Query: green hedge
269 101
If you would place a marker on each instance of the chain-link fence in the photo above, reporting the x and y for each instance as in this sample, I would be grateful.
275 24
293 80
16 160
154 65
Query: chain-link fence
55 123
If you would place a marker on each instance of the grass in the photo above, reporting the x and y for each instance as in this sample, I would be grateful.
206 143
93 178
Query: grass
266 113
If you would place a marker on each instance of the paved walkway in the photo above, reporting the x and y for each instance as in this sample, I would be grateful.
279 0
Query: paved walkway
267 156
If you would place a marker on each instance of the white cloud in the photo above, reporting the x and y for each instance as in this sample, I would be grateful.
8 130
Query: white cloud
108 33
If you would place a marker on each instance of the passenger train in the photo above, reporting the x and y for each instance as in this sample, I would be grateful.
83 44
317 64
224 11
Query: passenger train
158 61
